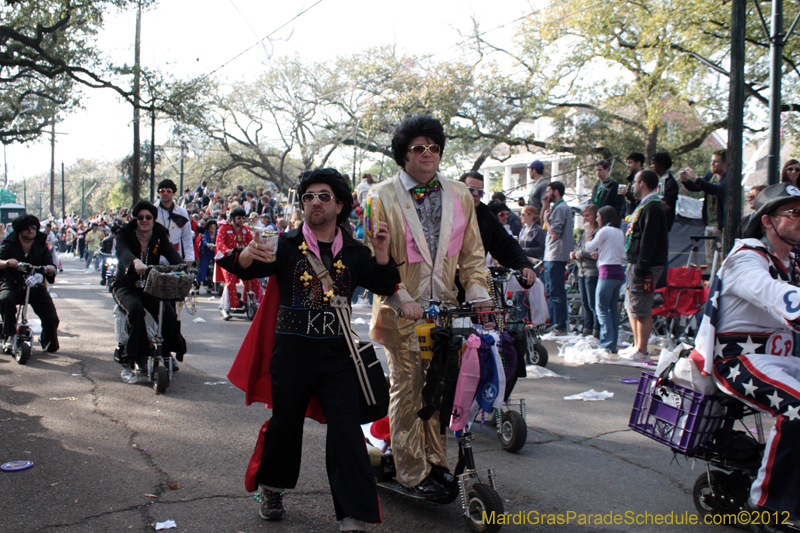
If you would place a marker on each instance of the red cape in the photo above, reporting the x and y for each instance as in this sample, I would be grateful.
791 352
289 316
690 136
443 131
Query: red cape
250 371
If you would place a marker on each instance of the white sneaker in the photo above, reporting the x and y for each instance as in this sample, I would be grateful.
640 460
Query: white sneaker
626 352
640 357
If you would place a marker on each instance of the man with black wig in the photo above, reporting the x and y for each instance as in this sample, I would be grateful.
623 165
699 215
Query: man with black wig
140 243
434 228
305 349
27 245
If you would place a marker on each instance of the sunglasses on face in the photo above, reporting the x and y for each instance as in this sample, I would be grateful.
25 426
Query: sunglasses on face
794 214
751 196
164 191
793 169
29 228
142 218
323 197
420 149
476 192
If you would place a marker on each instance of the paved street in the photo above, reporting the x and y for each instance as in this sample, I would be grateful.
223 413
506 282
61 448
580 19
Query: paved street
115 457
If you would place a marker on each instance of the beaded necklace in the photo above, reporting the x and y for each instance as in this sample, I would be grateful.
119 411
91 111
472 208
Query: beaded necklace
145 255
634 217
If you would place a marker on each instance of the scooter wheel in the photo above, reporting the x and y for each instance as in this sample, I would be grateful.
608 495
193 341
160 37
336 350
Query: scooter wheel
23 353
513 431
160 379
483 501
251 309
536 355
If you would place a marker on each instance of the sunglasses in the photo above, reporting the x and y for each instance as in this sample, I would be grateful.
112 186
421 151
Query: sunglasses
142 218
794 214
476 192
163 191
34 228
751 196
323 197
420 149
793 169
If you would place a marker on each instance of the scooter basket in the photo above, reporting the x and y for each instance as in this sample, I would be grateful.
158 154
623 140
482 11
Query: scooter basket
169 282
681 418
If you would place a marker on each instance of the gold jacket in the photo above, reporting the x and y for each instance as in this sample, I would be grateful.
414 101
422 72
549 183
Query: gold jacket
434 278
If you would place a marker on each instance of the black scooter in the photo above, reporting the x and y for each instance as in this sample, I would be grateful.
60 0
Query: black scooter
22 340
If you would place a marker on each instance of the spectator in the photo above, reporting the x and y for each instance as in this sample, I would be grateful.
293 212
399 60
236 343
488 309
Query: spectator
791 172
608 247
367 181
712 184
634 162
751 203
587 271
532 237
531 240
514 222
536 173
647 247
558 245
207 249
667 186
605 191
93 239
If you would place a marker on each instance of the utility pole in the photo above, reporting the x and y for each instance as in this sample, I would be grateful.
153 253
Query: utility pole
733 191
63 203
152 152
776 44
137 149
53 167
83 194
183 154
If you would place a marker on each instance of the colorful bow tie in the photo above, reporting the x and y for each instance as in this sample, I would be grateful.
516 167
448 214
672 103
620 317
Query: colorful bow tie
420 192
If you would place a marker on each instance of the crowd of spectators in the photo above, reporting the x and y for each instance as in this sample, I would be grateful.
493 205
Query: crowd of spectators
543 229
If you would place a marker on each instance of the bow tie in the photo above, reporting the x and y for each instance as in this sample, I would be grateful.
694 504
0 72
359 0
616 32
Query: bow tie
420 192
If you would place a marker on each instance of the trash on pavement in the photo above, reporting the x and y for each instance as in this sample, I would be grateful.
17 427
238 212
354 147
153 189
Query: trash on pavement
536 371
169 524
199 320
16 466
591 396
69 398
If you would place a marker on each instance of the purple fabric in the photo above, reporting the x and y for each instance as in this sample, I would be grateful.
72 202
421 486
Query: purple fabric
611 272
509 352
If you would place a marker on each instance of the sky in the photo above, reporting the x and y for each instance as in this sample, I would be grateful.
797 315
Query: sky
195 37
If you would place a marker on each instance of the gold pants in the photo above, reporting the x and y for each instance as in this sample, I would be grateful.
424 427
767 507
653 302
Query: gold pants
416 443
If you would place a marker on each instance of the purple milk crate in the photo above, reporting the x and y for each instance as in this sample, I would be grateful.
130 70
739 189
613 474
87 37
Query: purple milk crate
681 418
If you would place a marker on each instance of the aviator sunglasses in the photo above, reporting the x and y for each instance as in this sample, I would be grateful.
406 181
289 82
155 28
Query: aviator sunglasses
323 197
420 149
794 214
144 217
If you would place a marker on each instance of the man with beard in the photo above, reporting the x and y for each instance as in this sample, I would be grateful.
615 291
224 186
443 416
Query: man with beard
27 245
309 359
230 236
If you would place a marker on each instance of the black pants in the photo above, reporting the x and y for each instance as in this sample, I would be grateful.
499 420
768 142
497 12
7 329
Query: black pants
301 368
134 302
42 304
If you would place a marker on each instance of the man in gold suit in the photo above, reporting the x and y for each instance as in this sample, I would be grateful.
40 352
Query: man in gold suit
433 227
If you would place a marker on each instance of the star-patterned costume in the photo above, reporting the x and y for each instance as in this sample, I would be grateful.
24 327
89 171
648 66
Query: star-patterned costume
745 343
429 240
227 240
